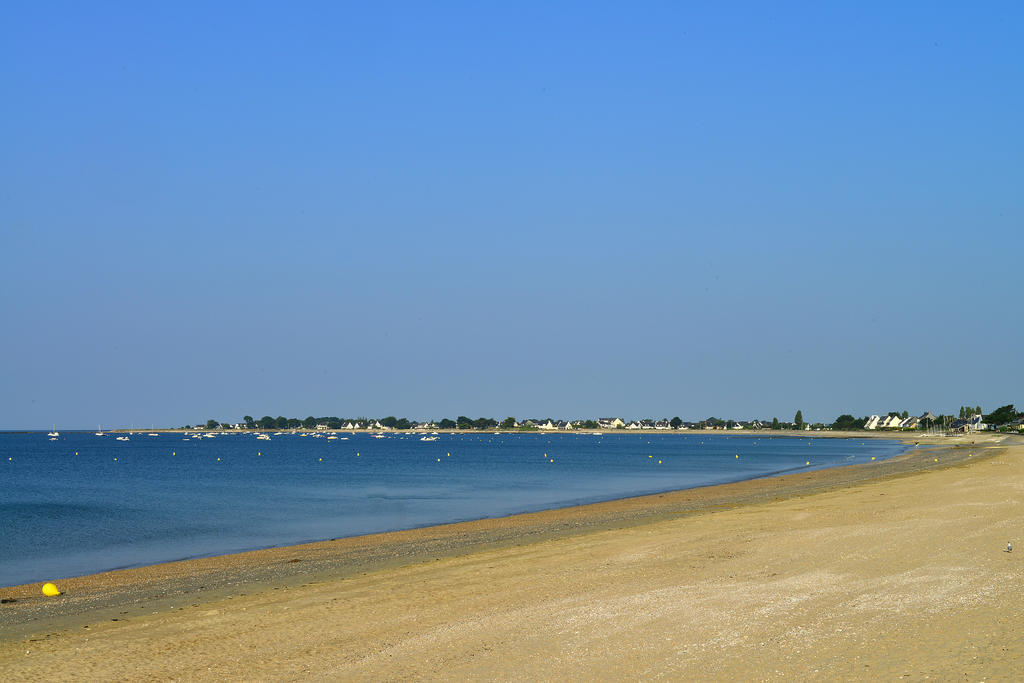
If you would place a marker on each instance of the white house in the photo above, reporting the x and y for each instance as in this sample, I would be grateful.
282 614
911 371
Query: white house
872 422
910 423
890 422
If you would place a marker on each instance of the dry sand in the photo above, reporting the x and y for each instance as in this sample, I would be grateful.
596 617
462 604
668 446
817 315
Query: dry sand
882 571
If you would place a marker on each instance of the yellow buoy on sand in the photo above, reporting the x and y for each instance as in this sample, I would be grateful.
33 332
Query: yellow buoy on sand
50 590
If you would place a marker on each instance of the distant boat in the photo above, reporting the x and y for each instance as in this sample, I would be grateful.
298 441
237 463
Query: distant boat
122 438
54 433
429 438
100 432
263 437
153 434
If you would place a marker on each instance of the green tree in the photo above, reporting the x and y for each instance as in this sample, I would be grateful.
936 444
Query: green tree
446 423
590 424
267 422
390 421
905 414
847 422
798 421
508 423
484 423
249 423
675 422
212 424
309 422
775 423
977 410
1001 416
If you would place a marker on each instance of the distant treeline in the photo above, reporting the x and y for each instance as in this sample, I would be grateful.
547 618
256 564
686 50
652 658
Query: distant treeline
1004 416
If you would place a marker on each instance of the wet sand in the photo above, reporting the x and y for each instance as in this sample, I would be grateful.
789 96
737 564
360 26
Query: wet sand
877 570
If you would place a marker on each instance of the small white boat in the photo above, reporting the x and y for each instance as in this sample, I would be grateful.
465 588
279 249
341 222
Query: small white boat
331 437
152 434
263 437
429 438
122 438
53 438
54 433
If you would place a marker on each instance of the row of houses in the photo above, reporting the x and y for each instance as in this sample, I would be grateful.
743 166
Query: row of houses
894 422
974 423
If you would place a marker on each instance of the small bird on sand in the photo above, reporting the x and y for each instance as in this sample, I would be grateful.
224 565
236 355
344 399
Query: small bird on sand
1009 547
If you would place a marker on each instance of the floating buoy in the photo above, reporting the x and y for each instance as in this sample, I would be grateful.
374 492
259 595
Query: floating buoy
737 455
218 459
50 591
807 463
320 460
872 457
659 462
936 459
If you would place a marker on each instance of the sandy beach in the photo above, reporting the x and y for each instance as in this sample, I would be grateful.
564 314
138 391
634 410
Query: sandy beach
889 570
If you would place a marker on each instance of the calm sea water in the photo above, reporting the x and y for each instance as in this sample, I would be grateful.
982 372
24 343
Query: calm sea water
83 503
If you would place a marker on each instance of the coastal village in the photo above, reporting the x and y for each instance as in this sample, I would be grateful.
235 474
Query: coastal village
970 420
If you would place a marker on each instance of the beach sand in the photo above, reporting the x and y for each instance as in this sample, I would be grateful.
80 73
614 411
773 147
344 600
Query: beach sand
880 571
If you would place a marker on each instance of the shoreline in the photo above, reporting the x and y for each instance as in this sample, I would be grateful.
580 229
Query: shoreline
566 503
790 433
168 585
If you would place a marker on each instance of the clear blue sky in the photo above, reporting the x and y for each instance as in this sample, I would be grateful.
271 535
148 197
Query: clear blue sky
491 209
